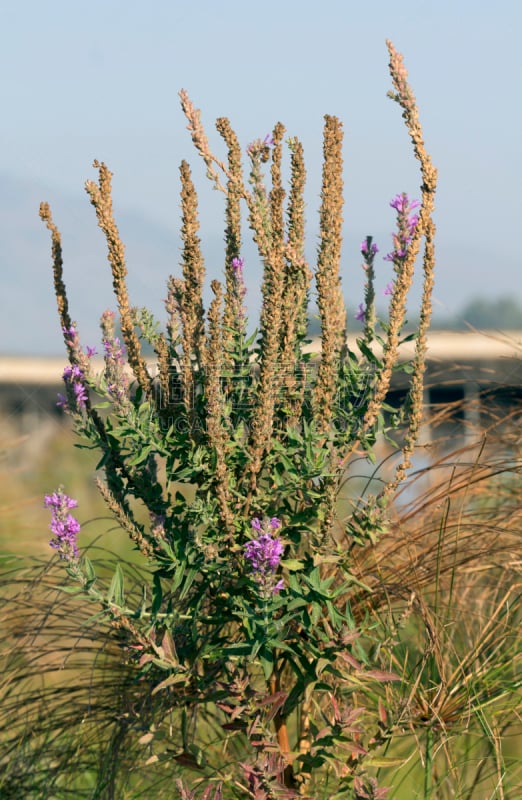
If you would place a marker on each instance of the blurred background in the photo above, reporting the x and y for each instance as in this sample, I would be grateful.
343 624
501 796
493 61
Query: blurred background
100 80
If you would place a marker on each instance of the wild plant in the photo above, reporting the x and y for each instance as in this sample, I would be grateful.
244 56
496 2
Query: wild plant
268 651
224 465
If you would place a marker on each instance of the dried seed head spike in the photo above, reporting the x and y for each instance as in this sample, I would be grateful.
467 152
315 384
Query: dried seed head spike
191 300
298 274
406 99
330 299
296 203
165 376
174 319
199 137
217 433
419 363
69 328
59 285
101 198
235 191
277 194
425 227
193 264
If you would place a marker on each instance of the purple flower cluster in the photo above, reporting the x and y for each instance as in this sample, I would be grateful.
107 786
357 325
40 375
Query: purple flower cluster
367 248
239 288
361 313
406 225
114 350
114 353
264 554
237 266
76 390
64 526
72 340
261 147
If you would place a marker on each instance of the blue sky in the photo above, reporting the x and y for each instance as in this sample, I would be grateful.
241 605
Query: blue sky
99 79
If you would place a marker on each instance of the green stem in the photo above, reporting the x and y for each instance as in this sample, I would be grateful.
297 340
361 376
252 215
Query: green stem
428 765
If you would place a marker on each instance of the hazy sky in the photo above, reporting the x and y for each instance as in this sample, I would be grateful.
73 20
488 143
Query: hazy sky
99 79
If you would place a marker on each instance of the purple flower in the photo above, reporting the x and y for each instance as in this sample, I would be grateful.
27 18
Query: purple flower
406 225
64 526
264 553
260 145
59 500
401 203
69 333
413 222
80 395
239 290
238 264
76 390
389 288
117 381
72 339
368 248
158 525
361 313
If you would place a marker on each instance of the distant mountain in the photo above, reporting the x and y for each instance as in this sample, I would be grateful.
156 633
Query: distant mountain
28 319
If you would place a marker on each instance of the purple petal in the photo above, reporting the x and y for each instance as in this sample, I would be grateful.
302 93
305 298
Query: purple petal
361 313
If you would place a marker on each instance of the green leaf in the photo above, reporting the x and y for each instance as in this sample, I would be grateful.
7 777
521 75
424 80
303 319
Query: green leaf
88 569
266 659
383 762
70 589
189 580
292 564
115 593
140 456
199 754
178 576
240 649
176 677
365 350
157 594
